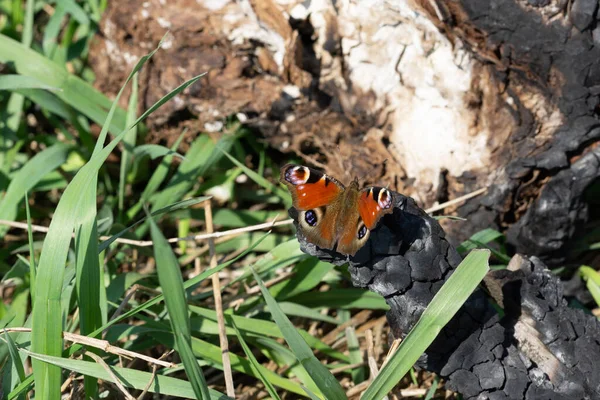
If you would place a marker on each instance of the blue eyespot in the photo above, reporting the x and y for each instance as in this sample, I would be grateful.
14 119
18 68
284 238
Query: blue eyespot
310 217
362 232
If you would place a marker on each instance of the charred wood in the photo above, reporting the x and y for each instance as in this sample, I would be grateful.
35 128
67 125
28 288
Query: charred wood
540 348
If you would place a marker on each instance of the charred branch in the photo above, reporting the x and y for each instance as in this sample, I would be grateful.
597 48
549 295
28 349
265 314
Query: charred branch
540 348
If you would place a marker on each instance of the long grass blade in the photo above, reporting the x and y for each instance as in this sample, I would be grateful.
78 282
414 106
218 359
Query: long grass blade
32 264
592 278
281 193
442 308
28 176
74 91
321 376
47 325
132 378
171 283
187 285
16 370
199 158
264 328
255 364
88 282
14 82
171 207
128 142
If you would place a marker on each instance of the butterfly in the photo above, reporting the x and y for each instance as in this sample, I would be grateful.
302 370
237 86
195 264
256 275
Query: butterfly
331 215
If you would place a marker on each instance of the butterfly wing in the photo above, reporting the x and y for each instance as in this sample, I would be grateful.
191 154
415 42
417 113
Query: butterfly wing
362 211
316 196
310 188
374 203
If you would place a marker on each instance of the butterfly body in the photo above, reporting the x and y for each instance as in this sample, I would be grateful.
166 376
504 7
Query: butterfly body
331 215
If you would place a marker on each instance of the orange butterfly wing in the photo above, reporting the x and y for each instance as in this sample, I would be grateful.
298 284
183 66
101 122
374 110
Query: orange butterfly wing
374 203
310 188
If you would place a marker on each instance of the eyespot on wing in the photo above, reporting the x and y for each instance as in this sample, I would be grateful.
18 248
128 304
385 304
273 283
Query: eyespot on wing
309 187
374 203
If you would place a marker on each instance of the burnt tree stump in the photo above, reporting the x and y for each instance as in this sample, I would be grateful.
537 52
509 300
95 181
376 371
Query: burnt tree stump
539 349
545 58
457 95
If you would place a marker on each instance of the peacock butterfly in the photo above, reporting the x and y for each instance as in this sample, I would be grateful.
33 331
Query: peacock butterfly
331 215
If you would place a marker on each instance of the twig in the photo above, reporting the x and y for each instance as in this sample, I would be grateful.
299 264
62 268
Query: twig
371 354
358 388
391 351
154 369
239 299
67 382
357 320
103 345
337 370
231 232
219 304
146 243
456 201
416 392
117 381
374 371
130 292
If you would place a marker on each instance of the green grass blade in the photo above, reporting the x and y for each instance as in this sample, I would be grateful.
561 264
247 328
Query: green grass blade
431 392
356 355
592 278
298 310
88 284
12 115
78 13
47 324
32 265
265 328
482 237
172 207
308 274
283 194
255 364
187 285
27 36
200 157
157 178
16 370
284 357
442 308
16 82
321 376
131 378
171 283
154 151
128 142
283 255
21 388
161 171
28 176
342 298
113 108
75 92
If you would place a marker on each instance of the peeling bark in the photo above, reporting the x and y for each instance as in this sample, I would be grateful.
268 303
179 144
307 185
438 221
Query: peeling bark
540 348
